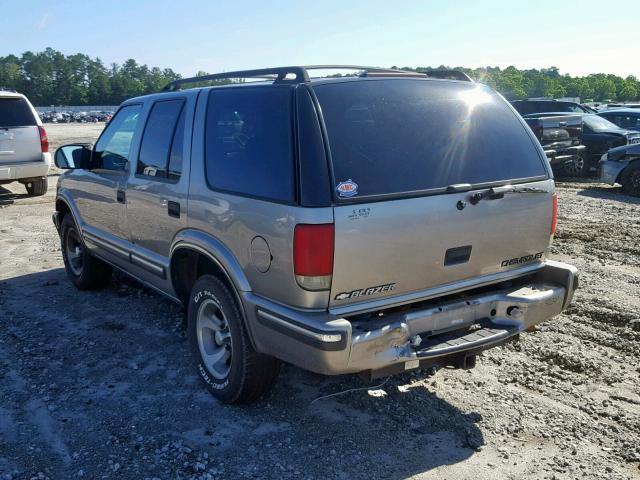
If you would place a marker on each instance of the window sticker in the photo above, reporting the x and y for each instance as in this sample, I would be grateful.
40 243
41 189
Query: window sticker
347 189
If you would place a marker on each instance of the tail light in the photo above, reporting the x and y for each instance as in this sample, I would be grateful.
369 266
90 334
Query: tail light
44 140
554 214
313 255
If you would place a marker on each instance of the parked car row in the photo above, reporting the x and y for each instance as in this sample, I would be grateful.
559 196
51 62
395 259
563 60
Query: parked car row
54 116
576 139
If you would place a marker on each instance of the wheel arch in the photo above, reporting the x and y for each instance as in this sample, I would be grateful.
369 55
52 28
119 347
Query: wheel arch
203 253
66 207
189 260
633 163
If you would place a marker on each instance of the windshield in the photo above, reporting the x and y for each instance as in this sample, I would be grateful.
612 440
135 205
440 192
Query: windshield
398 135
597 123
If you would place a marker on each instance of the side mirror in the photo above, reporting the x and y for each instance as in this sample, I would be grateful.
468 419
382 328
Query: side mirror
75 155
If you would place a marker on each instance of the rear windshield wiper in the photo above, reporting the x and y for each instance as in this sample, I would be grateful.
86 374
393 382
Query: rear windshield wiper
499 192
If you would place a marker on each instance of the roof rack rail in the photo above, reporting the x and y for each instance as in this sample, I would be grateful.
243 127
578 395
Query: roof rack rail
300 74
278 75
367 71
447 74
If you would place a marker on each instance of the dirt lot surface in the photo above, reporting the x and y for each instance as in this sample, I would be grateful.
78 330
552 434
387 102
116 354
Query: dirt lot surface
100 385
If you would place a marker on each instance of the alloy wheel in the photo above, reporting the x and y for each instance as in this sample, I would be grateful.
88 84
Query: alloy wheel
75 252
214 339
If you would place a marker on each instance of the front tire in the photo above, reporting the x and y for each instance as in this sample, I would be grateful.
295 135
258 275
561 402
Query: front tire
37 188
631 180
84 270
225 359
577 168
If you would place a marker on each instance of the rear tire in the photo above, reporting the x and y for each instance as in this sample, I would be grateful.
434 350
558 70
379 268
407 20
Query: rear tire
225 359
631 179
84 270
36 188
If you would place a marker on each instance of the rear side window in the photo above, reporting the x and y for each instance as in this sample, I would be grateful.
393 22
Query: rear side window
15 112
624 121
248 144
398 136
160 133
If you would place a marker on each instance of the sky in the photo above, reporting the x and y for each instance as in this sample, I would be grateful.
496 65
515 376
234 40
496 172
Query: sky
578 37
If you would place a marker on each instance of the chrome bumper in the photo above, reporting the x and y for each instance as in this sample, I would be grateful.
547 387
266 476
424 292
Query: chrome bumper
433 332
565 155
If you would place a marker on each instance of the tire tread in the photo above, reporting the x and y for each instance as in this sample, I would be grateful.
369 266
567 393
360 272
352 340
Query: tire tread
259 372
38 187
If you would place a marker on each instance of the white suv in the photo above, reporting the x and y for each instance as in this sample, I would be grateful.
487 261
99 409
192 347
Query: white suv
24 147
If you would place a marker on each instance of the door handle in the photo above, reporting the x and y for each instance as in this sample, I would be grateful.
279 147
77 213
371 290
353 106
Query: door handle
173 209
120 196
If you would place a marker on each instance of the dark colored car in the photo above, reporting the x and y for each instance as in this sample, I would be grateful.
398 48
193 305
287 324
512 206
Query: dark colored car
628 118
622 165
599 135
528 107
560 137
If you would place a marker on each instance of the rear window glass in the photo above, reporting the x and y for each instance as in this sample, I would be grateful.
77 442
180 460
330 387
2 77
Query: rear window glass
248 144
396 136
529 107
15 112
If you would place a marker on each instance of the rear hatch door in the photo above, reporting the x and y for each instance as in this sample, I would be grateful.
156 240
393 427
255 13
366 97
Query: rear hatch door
414 162
19 135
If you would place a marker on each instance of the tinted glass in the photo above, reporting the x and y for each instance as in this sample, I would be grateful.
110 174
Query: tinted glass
15 112
175 158
249 142
157 138
624 121
392 136
113 147
529 107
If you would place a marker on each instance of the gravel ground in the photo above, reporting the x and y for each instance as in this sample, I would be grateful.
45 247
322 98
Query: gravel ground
100 385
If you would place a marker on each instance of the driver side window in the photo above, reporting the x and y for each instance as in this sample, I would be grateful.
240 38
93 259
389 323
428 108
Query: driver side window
114 146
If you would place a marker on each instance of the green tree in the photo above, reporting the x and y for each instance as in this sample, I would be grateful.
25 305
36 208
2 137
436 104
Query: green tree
51 78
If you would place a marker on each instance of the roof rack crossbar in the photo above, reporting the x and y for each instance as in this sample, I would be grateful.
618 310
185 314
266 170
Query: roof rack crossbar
301 74
278 74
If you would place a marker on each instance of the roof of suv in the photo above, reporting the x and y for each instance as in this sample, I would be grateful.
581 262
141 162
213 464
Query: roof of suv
10 94
367 73
261 80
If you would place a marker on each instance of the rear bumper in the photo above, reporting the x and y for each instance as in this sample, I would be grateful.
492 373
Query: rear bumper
429 333
19 171
560 157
